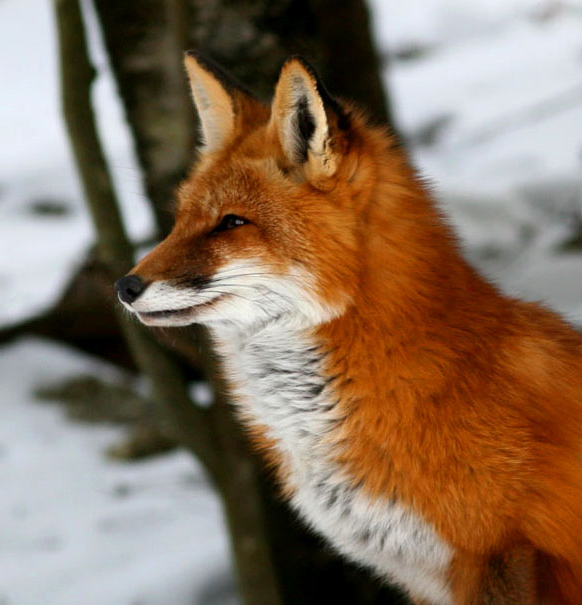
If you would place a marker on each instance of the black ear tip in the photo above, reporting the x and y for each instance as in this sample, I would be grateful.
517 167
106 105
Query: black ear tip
304 63
329 101
298 57
195 54
229 82
204 60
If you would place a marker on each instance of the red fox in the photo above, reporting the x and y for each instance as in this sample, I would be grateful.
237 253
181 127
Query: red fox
428 426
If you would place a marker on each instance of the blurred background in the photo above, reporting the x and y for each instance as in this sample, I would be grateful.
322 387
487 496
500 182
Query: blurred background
124 478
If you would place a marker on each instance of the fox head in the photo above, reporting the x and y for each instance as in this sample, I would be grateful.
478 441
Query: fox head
268 223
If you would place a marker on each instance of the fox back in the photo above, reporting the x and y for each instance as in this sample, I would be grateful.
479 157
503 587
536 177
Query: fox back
428 426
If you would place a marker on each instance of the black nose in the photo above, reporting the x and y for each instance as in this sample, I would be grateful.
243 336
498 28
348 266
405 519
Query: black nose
129 287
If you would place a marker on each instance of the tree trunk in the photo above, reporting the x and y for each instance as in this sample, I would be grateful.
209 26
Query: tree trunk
252 39
113 248
146 57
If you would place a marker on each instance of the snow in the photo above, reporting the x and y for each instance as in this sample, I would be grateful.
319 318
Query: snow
499 84
489 95
36 165
454 22
79 528
499 109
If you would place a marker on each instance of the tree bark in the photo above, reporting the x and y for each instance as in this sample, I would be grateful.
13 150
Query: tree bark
146 57
77 74
252 39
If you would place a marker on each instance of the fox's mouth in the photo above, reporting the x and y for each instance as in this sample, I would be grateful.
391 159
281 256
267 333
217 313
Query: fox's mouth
163 314
177 314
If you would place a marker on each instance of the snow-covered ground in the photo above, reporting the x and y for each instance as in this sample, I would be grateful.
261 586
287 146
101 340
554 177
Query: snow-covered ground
489 93
78 528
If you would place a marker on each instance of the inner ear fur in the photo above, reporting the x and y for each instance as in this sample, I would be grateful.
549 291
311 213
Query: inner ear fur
225 106
307 121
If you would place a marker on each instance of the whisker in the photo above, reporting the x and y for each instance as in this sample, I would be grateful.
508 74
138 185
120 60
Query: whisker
255 302
263 290
225 275
214 291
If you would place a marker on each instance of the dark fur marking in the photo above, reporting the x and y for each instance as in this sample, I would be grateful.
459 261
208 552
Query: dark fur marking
346 511
382 541
305 125
332 497
228 81
329 102
316 389
365 535
200 281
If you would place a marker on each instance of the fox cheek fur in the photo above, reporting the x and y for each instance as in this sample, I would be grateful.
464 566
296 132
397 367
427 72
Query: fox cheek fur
429 427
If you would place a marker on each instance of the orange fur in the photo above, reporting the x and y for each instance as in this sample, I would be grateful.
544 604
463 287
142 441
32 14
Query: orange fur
463 403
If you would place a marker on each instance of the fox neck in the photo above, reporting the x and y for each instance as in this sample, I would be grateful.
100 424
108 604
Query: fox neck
413 277
293 387
280 386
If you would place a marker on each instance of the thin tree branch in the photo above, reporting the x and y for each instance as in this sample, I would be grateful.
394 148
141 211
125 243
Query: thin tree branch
113 247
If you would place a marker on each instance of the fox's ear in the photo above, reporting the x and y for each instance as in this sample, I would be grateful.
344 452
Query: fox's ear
222 102
307 120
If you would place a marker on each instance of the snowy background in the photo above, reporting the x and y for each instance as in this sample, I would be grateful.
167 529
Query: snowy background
488 92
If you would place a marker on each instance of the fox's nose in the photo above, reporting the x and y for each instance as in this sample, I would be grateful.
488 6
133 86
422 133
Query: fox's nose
129 287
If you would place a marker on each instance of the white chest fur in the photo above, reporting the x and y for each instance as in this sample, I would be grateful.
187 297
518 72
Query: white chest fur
281 386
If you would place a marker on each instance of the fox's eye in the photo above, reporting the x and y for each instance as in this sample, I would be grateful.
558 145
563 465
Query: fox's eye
230 221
